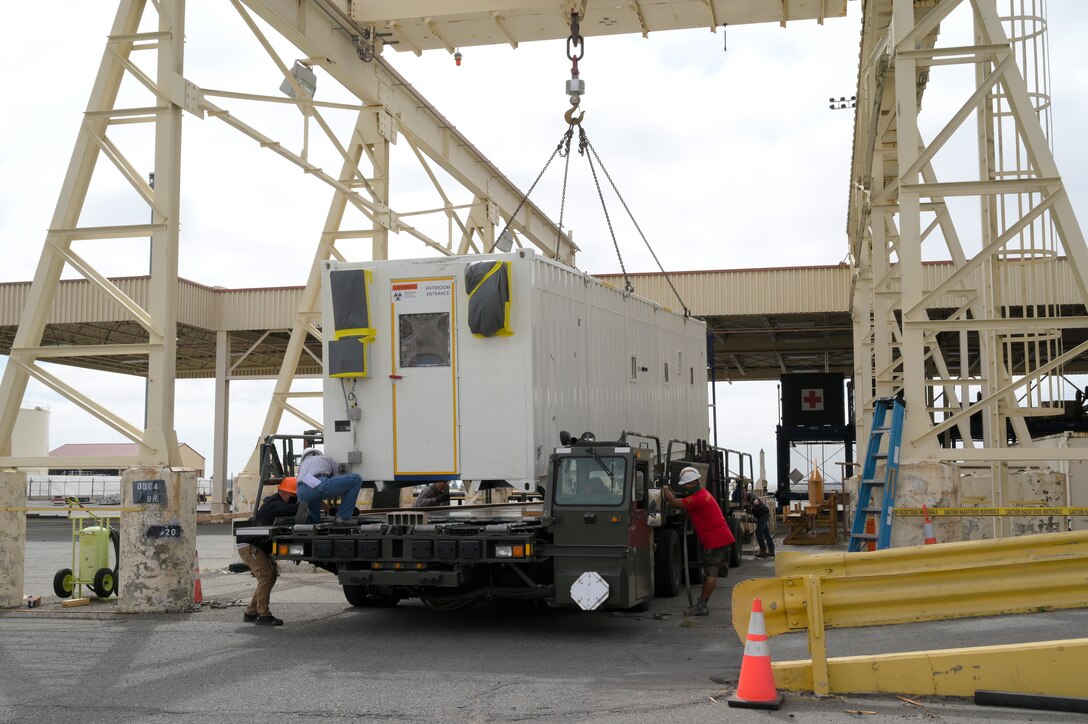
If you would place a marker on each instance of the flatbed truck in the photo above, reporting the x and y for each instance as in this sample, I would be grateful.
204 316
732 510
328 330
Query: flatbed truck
597 536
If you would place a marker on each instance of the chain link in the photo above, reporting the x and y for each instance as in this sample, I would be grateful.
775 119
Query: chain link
525 196
575 40
565 153
583 142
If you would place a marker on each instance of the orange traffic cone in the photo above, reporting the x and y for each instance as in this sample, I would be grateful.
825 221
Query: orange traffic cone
870 529
755 690
927 528
198 594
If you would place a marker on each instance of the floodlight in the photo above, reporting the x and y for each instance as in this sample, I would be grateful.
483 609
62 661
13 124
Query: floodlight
306 79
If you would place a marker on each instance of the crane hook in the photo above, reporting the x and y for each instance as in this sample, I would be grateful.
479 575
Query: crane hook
571 120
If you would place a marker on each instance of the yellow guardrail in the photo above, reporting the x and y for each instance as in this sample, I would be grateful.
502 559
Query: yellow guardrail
920 583
877 600
1052 668
910 559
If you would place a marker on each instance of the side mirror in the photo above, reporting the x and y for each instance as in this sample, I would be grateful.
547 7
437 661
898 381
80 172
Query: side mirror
654 506
564 438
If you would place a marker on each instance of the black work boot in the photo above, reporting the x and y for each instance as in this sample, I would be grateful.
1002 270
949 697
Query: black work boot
249 618
269 620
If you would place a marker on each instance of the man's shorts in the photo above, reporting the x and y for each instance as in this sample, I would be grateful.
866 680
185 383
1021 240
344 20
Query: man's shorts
716 561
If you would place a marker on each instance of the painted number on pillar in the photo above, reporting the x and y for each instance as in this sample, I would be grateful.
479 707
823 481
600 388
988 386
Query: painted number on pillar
164 531
149 492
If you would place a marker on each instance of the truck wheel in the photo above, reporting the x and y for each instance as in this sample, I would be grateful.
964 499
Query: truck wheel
358 595
668 566
105 583
734 550
62 583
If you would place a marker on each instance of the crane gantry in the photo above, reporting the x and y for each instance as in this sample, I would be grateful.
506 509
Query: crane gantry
898 207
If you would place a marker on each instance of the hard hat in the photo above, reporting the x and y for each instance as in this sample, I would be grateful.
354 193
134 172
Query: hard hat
689 476
289 485
310 451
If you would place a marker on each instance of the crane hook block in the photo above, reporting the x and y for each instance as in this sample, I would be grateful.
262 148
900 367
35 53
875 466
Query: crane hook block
571 120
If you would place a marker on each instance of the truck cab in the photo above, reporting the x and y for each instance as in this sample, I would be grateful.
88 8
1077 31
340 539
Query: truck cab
597 500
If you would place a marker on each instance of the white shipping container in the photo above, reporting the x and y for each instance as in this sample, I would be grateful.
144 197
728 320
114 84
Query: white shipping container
438 402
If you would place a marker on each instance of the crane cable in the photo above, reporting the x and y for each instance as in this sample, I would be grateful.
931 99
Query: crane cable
575 89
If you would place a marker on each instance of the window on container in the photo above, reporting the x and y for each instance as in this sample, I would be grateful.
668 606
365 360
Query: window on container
634 368
666 372
425 339
692 371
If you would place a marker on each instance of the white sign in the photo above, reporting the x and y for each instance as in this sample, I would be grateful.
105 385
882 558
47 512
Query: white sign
812 400
589 591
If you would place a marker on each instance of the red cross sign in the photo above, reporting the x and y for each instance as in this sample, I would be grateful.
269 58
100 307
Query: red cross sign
812 399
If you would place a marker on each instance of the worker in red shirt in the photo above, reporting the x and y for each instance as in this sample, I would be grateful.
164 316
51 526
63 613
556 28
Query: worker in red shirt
714 535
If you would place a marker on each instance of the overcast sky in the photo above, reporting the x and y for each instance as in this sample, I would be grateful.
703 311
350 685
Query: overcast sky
728 158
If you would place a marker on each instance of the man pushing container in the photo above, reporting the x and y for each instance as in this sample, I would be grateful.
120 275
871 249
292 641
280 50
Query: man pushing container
710 526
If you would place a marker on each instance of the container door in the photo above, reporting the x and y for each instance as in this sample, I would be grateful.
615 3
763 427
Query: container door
424 378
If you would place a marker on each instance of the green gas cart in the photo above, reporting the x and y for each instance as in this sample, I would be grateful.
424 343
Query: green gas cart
92 537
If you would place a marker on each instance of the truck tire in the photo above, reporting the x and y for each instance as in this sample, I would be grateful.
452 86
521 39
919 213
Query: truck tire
360 596
668 565
734 550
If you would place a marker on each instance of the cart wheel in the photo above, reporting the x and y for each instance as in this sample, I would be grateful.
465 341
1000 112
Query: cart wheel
105 582
62 583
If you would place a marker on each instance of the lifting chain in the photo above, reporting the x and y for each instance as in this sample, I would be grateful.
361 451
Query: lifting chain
575 88
576 50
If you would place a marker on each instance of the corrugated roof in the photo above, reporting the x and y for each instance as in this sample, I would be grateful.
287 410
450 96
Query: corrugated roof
105 449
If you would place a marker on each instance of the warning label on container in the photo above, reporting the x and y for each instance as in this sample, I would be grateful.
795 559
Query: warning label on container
409 291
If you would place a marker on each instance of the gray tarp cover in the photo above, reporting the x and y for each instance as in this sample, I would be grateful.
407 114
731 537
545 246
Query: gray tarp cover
488 297
349 303
347 357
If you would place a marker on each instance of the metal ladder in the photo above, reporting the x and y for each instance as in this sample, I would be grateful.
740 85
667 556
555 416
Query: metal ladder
883 490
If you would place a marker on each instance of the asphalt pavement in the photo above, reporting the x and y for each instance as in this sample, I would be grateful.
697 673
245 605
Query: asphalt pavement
491 662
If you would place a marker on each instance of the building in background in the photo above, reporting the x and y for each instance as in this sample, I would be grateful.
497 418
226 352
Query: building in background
190 458
30 438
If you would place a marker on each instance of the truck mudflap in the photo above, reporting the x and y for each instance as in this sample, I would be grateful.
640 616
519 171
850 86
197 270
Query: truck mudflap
614 564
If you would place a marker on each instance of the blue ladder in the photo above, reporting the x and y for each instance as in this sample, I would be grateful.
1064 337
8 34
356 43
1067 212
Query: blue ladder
878 496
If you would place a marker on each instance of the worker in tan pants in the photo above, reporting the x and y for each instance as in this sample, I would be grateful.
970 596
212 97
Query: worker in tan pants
282 503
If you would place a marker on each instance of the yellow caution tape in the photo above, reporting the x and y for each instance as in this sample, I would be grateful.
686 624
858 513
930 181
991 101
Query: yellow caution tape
960 512
66 509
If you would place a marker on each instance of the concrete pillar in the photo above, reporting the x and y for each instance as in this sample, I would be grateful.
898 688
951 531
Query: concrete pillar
220 443
245 491
12 536
158 541
934 485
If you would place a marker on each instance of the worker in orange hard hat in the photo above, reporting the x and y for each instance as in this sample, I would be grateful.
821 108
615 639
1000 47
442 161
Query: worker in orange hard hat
281 504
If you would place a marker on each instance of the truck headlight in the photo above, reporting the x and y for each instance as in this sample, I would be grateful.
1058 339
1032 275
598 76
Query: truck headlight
509 550
293 549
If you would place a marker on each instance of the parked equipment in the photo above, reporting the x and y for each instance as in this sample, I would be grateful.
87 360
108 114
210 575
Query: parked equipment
876 496
92 537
